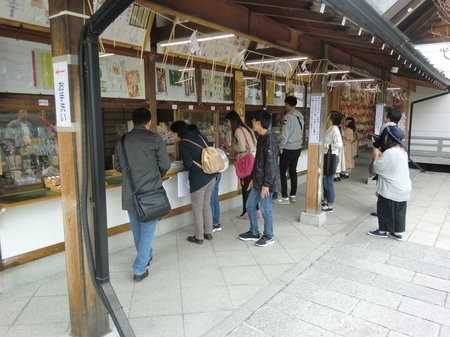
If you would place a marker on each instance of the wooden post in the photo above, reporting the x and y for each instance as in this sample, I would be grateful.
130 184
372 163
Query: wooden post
314 188
88 316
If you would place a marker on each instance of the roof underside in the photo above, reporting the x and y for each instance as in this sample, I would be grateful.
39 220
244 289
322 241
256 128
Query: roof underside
364 40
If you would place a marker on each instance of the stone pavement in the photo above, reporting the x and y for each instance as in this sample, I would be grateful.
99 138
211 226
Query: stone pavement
333 280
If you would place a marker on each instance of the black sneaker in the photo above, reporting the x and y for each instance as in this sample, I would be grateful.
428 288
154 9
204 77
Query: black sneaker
141 277
249 236
217 228
397 237
327 208
264 241
378 234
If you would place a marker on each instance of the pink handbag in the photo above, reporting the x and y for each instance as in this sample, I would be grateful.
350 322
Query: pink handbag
244 164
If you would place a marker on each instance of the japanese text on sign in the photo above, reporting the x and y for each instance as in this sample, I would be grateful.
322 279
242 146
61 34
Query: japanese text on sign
62 94
314 121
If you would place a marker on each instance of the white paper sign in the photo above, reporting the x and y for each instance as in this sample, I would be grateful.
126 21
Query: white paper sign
379 112
62 94
314 120
183 184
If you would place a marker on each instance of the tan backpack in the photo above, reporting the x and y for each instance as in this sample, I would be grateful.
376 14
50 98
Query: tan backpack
212 161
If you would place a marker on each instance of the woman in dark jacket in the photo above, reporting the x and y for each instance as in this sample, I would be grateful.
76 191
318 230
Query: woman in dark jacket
201 184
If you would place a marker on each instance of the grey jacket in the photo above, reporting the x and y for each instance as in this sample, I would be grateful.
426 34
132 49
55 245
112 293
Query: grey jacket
291 132
148 160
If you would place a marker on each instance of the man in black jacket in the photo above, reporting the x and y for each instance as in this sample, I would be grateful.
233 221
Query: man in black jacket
149 162
265 180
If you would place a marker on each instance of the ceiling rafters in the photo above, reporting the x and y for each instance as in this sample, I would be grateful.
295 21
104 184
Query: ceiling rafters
231 18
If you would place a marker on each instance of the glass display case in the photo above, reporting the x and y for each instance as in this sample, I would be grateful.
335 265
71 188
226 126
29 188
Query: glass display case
29 150
205 121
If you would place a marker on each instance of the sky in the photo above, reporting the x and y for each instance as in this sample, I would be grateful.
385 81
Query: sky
436 57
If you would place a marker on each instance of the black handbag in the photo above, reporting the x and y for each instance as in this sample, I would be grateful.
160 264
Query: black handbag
149 205
329 162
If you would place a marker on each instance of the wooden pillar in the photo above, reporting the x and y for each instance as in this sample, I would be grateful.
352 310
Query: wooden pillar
314 187
88 316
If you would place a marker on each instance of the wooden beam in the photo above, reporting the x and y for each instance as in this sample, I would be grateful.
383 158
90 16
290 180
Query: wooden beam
288 4
231 18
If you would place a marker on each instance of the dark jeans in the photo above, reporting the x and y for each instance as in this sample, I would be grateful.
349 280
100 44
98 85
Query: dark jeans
244 183
391 215
289 160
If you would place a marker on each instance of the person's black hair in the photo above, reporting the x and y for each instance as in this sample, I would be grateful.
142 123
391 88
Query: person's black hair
264 117
235 122
291 100
336 117
179 127
352 124
141 116
194 127
394 115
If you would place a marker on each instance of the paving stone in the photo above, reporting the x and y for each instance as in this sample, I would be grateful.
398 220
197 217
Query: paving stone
421 267
445 332
340 323
315 294
409 289
432 282
432 312
289 305
365 292
437 260
345 272
278 324
394 320
383 269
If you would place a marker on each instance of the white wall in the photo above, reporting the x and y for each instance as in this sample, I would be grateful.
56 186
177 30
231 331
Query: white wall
431 117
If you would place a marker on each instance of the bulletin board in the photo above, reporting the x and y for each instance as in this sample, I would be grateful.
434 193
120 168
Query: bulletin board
33 12
253 91
275 92
175 83
130 27
26 67
220 50
122 77
217 87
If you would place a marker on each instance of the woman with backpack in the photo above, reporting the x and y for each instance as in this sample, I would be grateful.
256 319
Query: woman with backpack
244 144
201 184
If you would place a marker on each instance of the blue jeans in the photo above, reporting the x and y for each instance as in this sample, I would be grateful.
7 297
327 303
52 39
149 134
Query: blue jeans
215 206
328 185
265 205
143 235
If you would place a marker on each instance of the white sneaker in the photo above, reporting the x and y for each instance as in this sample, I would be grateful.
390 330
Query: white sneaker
292 198
281 201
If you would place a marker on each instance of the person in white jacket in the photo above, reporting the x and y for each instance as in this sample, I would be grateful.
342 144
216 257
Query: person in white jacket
393 185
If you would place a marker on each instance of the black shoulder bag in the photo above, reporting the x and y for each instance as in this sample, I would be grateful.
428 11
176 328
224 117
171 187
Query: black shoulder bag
149 205
329 162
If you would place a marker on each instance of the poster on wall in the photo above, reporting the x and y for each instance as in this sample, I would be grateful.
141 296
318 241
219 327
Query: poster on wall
33 12
175 83
129 27
26 67
224 50
275 92
299 93
122 77
379 114
217 87
253 91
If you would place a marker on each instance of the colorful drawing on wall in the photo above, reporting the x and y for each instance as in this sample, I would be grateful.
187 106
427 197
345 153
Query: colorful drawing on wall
133 83
175 78
161 81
